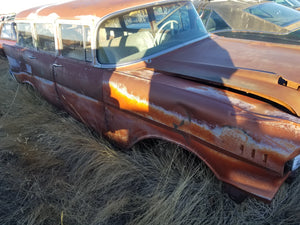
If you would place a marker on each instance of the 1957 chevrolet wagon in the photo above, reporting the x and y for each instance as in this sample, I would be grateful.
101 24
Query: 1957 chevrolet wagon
147 69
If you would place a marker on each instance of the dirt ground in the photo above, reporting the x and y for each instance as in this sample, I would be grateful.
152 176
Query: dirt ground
53 170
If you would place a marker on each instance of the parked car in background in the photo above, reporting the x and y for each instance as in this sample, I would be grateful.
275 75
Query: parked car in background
7 35
294 4
265 21
147 69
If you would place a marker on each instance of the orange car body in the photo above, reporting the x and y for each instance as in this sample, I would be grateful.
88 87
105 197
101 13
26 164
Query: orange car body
234 103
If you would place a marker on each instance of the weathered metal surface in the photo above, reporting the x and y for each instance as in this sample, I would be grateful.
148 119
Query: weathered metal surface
257 71
180 96
235 123
79 9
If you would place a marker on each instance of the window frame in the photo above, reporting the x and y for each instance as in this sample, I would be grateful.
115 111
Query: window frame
34 34
36 38
145 58
31 23
12 33
59 23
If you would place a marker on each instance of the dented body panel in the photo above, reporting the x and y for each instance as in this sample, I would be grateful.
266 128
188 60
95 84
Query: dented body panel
202 94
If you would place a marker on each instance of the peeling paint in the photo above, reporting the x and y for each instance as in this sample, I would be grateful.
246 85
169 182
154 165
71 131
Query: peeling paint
88 19
34 16
217 94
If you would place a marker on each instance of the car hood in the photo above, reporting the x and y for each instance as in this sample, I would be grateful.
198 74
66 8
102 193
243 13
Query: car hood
270 71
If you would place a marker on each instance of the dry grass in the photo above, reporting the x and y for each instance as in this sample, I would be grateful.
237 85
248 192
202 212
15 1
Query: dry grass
54 171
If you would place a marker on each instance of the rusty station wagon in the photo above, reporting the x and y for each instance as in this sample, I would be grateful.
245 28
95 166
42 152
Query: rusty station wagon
147 69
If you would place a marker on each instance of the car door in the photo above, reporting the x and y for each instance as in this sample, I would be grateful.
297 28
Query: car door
15 54
78 82
40 60
12 53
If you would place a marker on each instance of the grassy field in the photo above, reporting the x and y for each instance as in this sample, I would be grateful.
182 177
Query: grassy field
53 170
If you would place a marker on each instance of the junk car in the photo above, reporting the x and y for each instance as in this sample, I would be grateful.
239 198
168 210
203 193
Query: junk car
147 69
255 20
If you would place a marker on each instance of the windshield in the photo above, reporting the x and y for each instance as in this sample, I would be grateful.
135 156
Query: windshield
289 3
275 13
140 33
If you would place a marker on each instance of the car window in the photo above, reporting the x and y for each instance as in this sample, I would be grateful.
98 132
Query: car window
289 3
25 35
137 20
76 41
8 32
140 33
215 22
275 13
204 15
45 37
172 13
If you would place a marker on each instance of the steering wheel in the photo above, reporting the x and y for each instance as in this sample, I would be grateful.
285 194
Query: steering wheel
157 36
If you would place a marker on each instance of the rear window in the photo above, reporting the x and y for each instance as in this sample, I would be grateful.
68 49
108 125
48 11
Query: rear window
275 13
25 35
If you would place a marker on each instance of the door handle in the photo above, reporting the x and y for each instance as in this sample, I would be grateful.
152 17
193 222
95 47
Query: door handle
31 57
56 65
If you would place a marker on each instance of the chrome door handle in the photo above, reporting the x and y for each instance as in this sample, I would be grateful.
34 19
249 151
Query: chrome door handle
31 57
57 65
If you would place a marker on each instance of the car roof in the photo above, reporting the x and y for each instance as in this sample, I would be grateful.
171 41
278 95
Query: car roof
76 9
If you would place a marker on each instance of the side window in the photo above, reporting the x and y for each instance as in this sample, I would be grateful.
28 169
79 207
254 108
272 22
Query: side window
76 41
45 37
25 35
132 36
124 38
8 31
204 15
216 23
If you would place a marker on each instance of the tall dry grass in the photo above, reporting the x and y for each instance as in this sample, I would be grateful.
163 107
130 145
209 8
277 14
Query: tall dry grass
53 170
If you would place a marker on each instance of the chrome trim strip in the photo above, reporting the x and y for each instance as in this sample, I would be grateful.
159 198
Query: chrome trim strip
296 163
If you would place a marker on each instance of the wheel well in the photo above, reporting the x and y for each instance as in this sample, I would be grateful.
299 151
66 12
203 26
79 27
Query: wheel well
188 160
159 143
